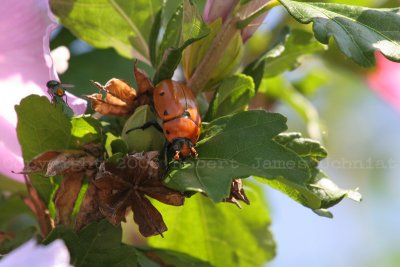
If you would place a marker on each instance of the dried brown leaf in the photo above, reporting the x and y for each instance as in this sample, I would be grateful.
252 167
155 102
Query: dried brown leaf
71 161
38 208
102 107
146 216
66 196
145 86
40 162
126 186
121 90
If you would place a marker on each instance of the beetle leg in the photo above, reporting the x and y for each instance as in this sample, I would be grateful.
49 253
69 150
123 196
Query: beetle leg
176 157
194 152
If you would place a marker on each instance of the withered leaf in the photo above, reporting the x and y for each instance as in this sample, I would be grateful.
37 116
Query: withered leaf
145 87
128 185
61 162
119 89
38 208
237 193
120 98
66 196
40 162
105 108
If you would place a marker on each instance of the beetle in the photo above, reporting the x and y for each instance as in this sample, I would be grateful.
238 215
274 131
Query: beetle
57 91
179 117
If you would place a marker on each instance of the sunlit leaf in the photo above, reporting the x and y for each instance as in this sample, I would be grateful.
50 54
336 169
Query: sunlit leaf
120 24
238 146
358 31
233 95
220 233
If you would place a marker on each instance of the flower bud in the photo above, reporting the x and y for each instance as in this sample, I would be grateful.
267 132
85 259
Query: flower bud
194 54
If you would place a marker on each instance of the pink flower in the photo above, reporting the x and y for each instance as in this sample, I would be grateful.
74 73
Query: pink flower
55 254
25 67
216 8
221 9
385 80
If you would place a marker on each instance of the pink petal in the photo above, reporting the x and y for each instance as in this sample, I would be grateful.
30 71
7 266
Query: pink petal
253 26
385 80
25 67
55 254
218 9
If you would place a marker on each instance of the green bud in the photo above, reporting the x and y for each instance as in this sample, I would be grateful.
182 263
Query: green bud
149 139
230 62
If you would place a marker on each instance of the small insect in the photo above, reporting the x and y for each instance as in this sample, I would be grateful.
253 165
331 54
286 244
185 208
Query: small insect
57 91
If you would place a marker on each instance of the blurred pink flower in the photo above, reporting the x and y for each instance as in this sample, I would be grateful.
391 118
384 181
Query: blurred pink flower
253 26
215 9
385 80
55 254
25 67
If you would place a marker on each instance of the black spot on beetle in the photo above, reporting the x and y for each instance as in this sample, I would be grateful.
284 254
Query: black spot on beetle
162 93
166 113
167 132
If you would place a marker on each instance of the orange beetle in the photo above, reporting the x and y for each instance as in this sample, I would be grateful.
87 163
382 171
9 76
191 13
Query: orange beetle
176 107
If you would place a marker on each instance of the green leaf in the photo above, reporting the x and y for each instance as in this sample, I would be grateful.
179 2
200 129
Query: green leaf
256 71
41 126
169 257
149 139
285 55
184 28
358 31
172 36
10 208
155 31
120 24
238 146
279 88
85 130
318 193
220 233
233 95
98 244
329 193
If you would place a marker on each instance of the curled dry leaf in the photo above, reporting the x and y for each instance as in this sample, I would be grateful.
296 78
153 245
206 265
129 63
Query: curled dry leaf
145 86
62 162
128 185
120 98
38 208
237 193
